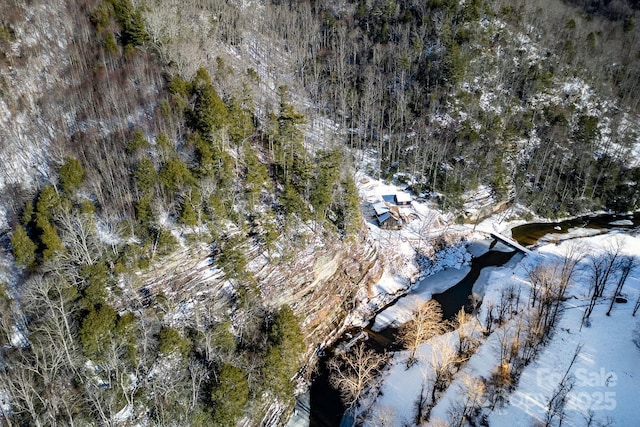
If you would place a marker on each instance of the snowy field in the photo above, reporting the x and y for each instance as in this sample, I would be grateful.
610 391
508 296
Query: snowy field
605 374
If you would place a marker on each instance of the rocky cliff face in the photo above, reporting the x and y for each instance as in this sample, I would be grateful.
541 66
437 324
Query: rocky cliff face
72 97
65 95
319 282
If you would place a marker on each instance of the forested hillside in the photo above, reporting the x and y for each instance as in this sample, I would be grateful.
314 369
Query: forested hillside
155 219
535 99
181 225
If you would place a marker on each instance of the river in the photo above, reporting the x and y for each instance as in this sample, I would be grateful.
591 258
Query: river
549 232
322 406
322 403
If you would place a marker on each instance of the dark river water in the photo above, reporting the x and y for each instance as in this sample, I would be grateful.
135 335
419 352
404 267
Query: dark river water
326 408
457 296
530 234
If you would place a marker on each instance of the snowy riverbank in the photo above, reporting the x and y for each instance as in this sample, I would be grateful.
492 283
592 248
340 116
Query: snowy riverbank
605 376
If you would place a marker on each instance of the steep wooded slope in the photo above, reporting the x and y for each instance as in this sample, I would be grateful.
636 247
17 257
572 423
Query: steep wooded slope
173 218
178 182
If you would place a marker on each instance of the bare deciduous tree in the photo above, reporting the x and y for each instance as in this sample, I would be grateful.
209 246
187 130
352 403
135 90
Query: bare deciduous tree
466 327
627 263
383 416
443 360
352 372
79 237
555 406
472 391
426 322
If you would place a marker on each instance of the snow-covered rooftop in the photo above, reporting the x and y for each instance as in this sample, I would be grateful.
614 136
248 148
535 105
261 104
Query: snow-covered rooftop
403 197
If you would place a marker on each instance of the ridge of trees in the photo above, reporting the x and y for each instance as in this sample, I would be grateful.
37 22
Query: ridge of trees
216 171
384 70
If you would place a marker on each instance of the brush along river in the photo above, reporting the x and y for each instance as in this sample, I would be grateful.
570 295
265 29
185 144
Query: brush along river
452 288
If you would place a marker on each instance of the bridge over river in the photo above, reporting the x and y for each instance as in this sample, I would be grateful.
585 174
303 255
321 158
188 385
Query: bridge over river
510 242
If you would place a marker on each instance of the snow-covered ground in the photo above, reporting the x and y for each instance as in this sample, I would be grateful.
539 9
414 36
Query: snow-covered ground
607 370
427 243
606 373
401 311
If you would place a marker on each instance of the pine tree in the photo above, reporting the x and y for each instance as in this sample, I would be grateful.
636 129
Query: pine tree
293 203
257 176
175 175
51 242
327 174
229 395
137 142
48 202
283 359
144 212
209 113
241 118
24 250
171 342
27 214
293 164
97 331
350 217
72 174
188 215
145 176
131 23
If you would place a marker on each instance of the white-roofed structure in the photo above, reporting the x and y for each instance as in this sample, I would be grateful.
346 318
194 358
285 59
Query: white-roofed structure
402 198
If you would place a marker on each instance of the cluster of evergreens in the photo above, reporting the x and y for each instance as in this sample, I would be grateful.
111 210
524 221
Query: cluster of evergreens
80 351
387 69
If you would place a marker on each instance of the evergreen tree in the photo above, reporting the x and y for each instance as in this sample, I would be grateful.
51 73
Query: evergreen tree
283 359
213 160
23 248
349 215
144 212
71 175
163 242
175 175
137 142
131 23
285 330
293 203
292 161
27 214
229 395
586 129
145 176
327 174
231 258
171 342
96 331
241 118
51 244
209 112
257 177
188 214
48 203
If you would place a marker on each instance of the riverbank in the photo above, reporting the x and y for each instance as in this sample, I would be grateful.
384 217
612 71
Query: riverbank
605 375
428 256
